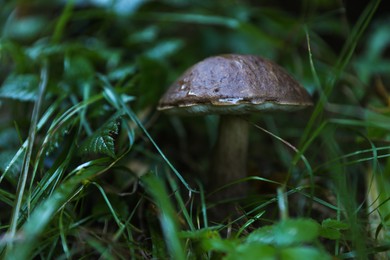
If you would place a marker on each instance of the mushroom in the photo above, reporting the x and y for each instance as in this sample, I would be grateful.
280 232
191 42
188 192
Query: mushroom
233 85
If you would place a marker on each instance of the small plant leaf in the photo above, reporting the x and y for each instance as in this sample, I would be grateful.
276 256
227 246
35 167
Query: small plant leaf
78 69
303 252
20 87
164 49
330 228
330 233
10 162
253 252
286 233
218 244
102 141
336 224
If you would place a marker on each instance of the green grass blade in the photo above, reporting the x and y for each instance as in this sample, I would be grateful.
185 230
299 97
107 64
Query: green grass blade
110 207
119 103
168 218
61 22
27 157
346 55
44 213
180 202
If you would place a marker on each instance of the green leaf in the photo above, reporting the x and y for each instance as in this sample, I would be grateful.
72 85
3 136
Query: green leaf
203 233
122 72
10 162
287 232
295 231
24 27
252 251
102 141
336 224
78 69
195 18
20 87
164 49
304 252
330 228
330 233
44 49
219 244
145 35
264 235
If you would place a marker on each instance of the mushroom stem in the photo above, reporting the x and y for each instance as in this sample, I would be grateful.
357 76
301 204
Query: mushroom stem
230 156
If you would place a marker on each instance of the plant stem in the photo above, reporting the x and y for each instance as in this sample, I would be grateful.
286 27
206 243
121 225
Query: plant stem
230 156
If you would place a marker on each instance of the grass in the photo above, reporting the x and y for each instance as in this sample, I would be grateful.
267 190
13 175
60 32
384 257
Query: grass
89 169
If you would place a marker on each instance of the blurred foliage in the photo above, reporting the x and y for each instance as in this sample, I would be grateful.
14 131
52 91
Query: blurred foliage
80 81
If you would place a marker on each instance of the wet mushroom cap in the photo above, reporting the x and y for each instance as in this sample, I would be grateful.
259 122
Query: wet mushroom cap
234 84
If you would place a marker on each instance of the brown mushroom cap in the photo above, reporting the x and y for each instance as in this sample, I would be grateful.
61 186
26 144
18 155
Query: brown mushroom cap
234 84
